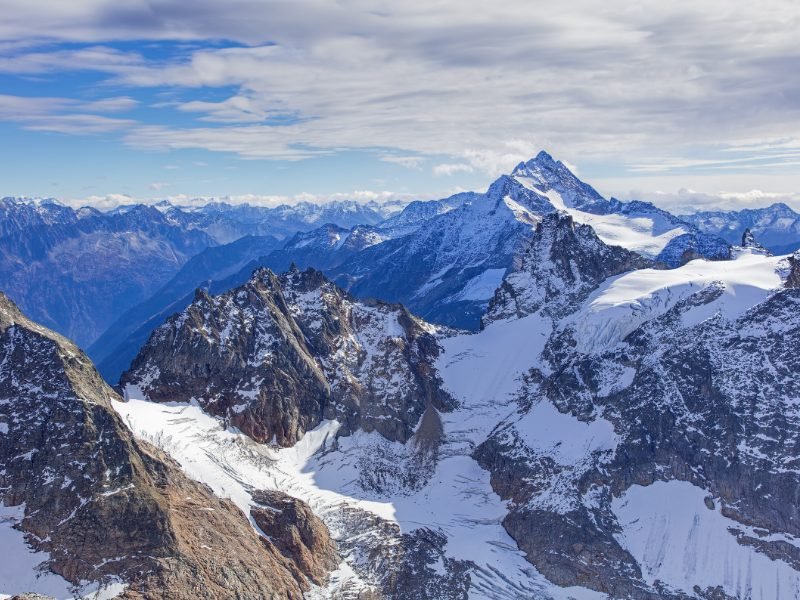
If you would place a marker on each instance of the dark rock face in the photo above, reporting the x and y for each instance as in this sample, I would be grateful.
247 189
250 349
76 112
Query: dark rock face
279 354
749 242
105 506
562 265
691 246
793 278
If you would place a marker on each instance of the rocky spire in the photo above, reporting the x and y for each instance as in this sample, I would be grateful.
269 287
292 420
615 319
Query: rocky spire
793 278
749 243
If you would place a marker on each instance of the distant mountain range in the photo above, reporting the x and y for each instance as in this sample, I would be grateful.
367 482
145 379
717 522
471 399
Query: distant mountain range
109 278
443 259
776 227
77 270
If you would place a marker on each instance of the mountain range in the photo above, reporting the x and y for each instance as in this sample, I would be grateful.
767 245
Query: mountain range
77 270
442 259
532 392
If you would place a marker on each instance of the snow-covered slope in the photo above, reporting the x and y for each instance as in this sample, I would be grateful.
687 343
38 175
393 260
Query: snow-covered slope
621 304
637 226
444 259
682 539
680 377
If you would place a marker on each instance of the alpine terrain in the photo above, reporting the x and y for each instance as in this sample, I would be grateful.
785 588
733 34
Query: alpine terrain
529 393
615 429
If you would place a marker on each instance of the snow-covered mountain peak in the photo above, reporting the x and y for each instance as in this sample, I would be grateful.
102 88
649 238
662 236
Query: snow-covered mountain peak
282 352
541 162
545 174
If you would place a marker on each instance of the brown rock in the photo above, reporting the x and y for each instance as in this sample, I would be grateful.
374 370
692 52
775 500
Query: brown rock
296 532
105 505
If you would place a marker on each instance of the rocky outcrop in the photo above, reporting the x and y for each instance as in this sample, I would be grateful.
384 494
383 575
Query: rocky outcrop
793 277
106 507
402 565
562 264
280 354
692 246
297 533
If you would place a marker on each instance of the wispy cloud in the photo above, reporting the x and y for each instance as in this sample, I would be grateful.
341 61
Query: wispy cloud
409 162
452 168
64 115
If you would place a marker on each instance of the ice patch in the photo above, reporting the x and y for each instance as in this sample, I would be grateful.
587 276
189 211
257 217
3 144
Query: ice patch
486 366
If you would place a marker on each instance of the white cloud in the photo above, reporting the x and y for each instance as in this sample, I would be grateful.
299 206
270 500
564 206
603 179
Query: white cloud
63 115
452 168
409 162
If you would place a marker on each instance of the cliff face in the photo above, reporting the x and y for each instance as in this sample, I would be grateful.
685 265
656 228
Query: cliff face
280 354
106 507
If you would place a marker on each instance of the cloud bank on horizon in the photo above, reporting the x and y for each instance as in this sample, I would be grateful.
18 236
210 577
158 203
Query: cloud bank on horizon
265 99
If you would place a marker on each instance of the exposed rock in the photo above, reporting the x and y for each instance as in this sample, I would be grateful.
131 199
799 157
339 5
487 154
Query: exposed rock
105 506
691 246
279 354
793 277
561 265
299 535
403 566
705 400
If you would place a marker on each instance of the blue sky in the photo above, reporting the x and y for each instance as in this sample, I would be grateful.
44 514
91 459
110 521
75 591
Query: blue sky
687 104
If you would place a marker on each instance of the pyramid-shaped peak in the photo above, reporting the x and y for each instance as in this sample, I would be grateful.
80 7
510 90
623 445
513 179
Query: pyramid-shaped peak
545 173
542 165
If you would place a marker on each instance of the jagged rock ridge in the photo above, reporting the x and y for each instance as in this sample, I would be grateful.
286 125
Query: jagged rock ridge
283 352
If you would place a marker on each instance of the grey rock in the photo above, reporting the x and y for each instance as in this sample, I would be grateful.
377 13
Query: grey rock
279 354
